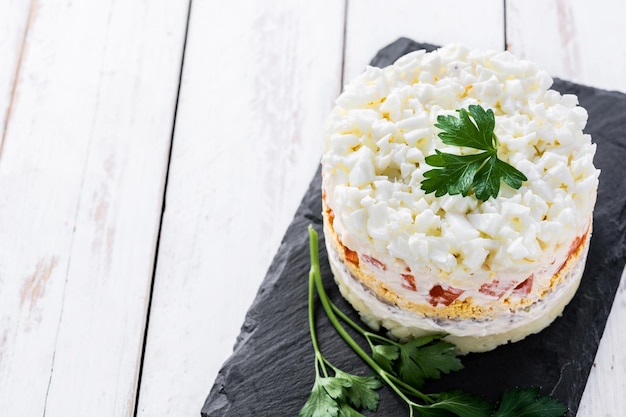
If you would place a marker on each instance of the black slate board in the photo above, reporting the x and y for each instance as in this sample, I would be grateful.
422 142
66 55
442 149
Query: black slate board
271 370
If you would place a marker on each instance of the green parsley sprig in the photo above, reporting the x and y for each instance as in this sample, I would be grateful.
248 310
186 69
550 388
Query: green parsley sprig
403 367
481 172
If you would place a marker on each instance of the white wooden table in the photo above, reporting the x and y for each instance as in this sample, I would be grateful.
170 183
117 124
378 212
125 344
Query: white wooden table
152 154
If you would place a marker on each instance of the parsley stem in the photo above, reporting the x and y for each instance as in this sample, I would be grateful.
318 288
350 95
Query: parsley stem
347 319
316 347
319 358
366 334
411 390
315 275
326 304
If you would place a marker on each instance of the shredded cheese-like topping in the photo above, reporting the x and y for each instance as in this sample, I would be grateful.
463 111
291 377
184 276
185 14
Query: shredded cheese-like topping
382 128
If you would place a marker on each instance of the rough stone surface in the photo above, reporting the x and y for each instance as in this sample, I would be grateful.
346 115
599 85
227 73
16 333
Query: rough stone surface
271 369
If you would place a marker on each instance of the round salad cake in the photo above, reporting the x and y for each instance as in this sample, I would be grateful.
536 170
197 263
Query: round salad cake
458 193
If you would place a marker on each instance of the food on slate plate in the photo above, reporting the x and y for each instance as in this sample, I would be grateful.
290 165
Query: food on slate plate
403 368
458 193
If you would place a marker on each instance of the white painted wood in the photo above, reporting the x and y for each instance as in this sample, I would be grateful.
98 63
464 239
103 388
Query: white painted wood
81 187
85 153
259 80
14 19
578 40
373 24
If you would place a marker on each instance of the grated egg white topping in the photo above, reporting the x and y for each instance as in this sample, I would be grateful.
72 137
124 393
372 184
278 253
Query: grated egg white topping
382 128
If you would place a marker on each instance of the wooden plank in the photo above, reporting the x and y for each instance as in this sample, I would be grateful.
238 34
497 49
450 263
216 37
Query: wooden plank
576 40
15 16
81 189
259 79
373 24
247 141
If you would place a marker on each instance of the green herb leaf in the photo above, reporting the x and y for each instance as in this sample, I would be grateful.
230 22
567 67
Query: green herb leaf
457 403
346 411
462 132
419 362
456 174
482 172
384 355
319 404
487 180
334 396
510 175
526 402
335 386
360 391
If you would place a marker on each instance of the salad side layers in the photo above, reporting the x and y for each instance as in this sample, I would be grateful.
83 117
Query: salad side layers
458 196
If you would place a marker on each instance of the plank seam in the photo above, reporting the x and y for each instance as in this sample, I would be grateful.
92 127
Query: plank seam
77 213
163 204
16 74
343 48
506 41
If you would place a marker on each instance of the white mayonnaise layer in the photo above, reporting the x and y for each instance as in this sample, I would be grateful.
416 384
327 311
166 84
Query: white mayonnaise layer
468 335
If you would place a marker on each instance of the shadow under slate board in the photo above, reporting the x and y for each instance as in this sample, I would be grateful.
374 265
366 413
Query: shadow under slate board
271 370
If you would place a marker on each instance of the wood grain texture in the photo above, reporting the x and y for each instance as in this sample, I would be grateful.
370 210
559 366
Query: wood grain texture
81 187
87 97
373 24
259 79
15 19
577 40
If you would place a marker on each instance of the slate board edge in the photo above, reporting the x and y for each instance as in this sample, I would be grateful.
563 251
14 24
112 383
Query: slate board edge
387 53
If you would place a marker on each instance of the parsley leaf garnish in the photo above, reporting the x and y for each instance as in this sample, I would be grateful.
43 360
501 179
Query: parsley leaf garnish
481 172
335 396
384 355
403 367
457 403
346 411
320 403
526 402
360 392
421 360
